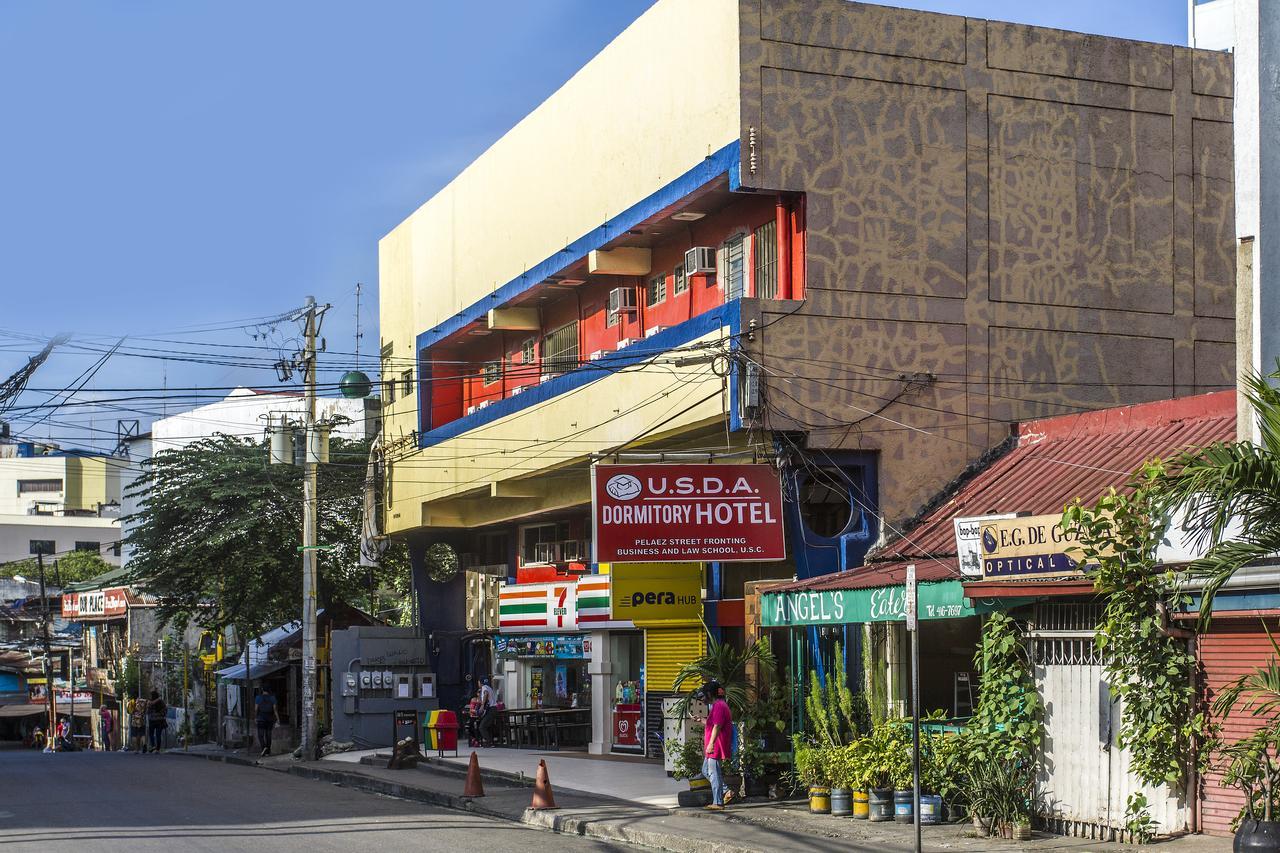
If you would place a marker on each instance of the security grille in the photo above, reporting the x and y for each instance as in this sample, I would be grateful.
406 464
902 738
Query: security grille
560 349
1065 651
764 247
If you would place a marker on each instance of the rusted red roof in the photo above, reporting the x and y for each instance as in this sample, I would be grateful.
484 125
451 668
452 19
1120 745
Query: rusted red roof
1054 461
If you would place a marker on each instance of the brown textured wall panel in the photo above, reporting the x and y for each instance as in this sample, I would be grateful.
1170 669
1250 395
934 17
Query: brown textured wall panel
1214 222
1081 206
895 169
1045 228
873 29
1034 372
1214 363
1211 73
1035 50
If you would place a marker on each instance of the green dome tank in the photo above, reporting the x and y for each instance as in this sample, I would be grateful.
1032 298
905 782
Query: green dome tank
355 385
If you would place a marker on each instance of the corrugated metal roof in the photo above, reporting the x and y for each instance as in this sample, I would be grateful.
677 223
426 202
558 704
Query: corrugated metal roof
1054 461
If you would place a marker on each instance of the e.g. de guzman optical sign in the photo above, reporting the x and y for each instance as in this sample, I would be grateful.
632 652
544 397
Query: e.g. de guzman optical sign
1033 546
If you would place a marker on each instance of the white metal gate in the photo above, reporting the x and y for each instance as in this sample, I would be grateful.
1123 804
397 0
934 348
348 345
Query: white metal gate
1084 773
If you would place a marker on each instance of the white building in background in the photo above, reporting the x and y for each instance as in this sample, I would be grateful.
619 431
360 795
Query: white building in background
243 413
54 501
1250 29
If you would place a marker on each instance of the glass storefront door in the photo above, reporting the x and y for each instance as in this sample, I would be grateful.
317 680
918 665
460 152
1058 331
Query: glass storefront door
626 690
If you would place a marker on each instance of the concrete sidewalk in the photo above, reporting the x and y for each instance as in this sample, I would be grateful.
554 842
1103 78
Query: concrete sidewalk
750 827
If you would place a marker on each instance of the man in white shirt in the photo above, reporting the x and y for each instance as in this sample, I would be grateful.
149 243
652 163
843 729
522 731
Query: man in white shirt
488 713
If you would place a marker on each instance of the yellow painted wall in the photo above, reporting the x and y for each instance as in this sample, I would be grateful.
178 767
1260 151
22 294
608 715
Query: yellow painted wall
453 477
649 107
91 481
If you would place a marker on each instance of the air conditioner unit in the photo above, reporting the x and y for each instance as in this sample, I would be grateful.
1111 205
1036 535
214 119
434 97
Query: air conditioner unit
622 300
626 342
519 389
483 405
649 333
596 356
700 260
547 377
546 552
471 410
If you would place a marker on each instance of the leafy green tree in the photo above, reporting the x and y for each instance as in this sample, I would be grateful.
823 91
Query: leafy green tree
217 536
69 568
1006 725
727 665
1226 484
1147 661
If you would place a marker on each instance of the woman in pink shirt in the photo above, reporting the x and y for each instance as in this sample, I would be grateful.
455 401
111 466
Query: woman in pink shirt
717 740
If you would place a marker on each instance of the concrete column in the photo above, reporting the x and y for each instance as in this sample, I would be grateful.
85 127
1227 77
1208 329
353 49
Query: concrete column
600 668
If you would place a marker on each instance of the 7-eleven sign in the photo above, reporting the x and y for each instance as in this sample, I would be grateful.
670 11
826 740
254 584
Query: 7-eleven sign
538 607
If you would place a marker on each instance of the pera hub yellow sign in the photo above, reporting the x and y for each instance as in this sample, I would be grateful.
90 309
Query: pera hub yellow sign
657 593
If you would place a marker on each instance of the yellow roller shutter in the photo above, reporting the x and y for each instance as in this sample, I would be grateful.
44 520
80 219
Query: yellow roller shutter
666 651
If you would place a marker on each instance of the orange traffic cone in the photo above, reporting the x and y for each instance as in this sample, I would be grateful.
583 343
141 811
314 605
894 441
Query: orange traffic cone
543 798
474 787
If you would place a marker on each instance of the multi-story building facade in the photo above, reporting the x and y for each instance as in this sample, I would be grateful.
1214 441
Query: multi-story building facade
54 501
856 240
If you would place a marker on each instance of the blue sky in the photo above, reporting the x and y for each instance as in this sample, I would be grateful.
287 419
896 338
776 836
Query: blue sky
168 165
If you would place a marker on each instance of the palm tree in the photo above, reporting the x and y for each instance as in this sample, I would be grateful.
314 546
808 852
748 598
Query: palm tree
726 665
1231 484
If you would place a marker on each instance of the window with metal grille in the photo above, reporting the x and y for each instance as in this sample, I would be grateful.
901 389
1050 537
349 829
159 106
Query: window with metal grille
406 383
40 546
764 249
681 281
527 352
492 372
734 268
88 546
655 292
115 549
560 349
25 486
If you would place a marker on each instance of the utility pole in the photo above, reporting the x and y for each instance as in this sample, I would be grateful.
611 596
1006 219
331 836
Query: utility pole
310 459
48 660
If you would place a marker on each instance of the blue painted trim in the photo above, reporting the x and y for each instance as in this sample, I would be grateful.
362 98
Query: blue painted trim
729 314
1244 599
721 162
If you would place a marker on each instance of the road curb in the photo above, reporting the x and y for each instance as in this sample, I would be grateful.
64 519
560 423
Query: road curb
550 821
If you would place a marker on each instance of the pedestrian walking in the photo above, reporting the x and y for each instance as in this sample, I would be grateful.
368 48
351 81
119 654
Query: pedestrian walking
716 743
474 710
138 725
157 720
268 715
108 720
488 712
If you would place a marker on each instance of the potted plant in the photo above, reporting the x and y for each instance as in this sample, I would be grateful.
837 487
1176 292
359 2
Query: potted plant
812 771
687 758
1001 795
884 755
861 773
840 768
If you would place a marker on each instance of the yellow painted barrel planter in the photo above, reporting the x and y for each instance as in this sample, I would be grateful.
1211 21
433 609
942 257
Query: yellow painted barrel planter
819 799
861 805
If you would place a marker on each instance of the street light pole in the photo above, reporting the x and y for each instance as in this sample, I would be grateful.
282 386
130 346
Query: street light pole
48 660
310 461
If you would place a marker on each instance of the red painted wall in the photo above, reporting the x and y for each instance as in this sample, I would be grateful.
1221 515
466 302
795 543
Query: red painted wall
589 303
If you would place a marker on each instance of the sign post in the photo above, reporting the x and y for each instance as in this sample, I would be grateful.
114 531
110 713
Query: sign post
913 625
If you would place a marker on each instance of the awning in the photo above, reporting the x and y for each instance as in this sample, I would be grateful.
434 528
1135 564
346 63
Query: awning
27 709
256 670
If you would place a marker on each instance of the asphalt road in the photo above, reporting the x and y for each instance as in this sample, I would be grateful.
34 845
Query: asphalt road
91 801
